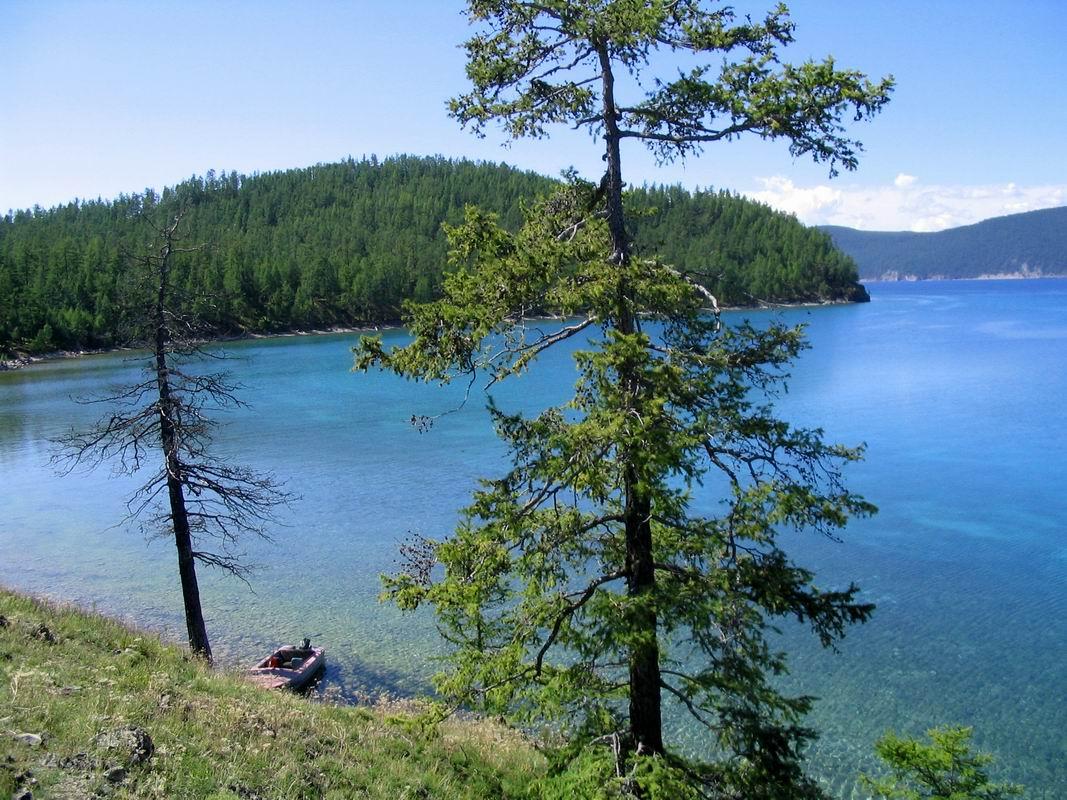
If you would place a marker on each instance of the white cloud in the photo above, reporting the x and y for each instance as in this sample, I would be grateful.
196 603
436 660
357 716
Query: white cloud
783 194
907 204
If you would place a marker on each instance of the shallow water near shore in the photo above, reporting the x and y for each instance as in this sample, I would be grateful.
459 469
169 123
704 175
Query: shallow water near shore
957 387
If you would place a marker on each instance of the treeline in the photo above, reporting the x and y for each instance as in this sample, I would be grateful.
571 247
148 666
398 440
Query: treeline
745 252
346 243
1029 244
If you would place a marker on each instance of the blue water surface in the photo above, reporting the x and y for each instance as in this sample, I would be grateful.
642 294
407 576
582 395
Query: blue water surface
957 388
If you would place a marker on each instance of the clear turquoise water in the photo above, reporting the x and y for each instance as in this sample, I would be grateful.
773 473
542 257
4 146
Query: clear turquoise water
957 388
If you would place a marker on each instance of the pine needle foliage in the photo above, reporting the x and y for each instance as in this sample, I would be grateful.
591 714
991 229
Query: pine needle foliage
943 769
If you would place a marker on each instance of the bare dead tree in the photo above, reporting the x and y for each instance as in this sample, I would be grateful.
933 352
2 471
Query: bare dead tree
206 503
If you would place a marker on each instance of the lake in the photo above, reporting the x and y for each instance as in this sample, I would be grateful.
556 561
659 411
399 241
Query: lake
958 389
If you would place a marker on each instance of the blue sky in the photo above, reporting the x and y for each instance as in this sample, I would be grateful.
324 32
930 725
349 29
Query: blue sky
99 98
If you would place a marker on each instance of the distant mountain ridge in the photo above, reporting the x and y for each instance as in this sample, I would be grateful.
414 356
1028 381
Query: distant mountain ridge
1031 244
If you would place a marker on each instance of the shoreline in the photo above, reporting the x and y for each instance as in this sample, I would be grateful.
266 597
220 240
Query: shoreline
24 360
1004 276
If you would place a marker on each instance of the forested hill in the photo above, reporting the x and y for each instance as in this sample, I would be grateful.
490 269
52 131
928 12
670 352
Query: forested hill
1029 244
345 243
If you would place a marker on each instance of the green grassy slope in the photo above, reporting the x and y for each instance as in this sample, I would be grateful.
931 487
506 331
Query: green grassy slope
91 708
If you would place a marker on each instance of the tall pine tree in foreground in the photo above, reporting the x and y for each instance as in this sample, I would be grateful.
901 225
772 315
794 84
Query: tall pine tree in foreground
582 590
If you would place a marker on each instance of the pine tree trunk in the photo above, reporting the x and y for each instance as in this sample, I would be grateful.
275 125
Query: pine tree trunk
646 723
194 615
183 540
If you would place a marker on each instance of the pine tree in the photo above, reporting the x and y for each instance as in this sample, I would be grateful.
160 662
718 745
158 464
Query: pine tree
582 589
203 502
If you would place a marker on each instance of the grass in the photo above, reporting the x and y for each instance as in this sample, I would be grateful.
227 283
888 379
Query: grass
213 735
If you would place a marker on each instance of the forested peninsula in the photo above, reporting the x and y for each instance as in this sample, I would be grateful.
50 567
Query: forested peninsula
345 244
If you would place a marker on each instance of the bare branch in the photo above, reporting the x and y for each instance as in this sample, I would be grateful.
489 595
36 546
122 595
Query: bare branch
568 612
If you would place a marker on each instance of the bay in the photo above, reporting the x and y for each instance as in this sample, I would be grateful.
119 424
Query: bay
956 387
